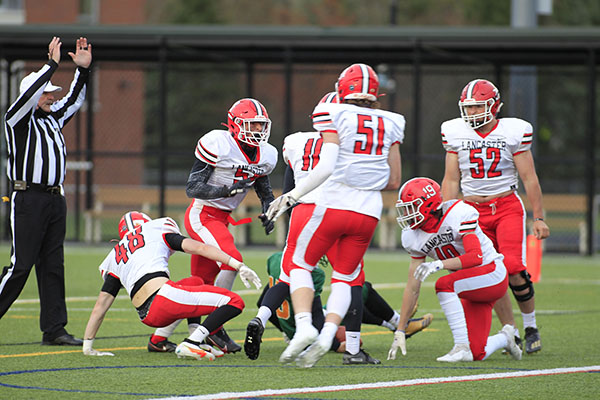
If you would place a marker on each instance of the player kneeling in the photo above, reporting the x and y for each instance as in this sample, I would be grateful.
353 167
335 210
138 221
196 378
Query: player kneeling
139 263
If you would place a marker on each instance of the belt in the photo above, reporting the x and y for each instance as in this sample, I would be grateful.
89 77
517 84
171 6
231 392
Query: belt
37 187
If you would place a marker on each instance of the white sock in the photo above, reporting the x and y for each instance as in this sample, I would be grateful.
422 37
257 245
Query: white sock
199 334
352 342
529 320
390 326
395 320
264 313
327 334
192 327
494 343
168 330
302 319
225 279
455 315
338 301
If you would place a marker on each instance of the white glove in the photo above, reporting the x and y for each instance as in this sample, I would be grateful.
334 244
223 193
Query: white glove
427 268
89 351
247 276
280 205
399 341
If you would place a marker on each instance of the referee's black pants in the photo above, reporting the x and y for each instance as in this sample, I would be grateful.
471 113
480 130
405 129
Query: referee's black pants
38 225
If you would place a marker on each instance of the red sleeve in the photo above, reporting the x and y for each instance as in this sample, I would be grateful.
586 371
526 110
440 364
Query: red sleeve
473 255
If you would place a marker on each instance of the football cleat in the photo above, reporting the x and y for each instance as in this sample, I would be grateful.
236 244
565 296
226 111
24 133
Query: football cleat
254 332
213 350
533 342
362 357
512 348
298 343
312 355
164 346
223 342
187 349
416 325
460 352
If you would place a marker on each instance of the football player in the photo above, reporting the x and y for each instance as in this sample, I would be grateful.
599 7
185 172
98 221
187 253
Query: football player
275 306
139 262
358 158
449 233
485 155
228 163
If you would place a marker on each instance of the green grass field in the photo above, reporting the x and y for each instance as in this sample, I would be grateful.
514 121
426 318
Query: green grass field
568 314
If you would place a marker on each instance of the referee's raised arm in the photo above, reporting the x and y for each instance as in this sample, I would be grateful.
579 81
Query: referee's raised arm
36 170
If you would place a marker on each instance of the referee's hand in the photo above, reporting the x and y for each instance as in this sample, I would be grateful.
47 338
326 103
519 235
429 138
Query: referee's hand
54 49
83 53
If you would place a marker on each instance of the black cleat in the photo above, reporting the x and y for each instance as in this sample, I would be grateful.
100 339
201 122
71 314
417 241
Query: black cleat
254 332
533 342
362 357
164 346
223 342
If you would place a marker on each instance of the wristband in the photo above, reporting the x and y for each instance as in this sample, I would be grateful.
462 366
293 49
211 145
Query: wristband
233 263
538 219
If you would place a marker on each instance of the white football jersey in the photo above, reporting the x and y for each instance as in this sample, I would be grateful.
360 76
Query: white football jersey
301 151
486 162
139 253
458 219
219 149
362 168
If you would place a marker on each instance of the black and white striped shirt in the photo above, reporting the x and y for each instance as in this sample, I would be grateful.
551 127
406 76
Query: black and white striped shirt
36 146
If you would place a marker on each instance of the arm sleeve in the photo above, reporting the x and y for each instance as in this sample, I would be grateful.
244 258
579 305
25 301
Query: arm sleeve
473 254
111 285
174 241
288 179
263 189
197 186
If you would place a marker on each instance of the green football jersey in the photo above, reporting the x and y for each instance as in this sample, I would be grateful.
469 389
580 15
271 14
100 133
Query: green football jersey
285 312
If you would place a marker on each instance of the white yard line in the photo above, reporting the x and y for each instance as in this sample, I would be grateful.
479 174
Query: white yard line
392 384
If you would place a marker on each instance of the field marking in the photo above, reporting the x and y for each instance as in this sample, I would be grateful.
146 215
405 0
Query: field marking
51 353
391 384
401 285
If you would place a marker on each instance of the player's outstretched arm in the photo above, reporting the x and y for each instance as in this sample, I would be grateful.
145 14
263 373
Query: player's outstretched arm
247 275
103 303
409 301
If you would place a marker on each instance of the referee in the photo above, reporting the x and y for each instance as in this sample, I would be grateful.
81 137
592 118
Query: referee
36 169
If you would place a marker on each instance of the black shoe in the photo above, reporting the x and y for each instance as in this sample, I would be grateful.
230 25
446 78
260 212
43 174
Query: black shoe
223 342
164 346
533 342
362 357
63 340
254 332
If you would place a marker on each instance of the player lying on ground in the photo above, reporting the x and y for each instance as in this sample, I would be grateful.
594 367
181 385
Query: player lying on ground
275 305
139 262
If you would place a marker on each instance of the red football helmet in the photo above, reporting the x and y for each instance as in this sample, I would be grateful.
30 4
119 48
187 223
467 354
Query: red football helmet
479 92
130 221
358 81
330 97
417 200
242 115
